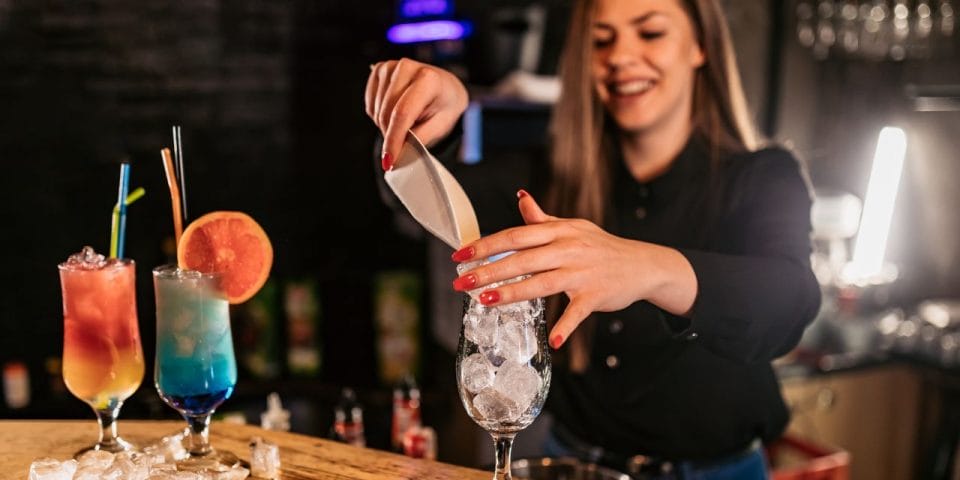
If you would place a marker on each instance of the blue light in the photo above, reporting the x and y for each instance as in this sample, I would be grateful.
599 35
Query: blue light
428 31
410 9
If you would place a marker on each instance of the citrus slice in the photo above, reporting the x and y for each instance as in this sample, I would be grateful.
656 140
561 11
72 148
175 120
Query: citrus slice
231 244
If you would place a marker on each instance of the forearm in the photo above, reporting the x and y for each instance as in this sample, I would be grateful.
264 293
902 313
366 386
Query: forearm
674 287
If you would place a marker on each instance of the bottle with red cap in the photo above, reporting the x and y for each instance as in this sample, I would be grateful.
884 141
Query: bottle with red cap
348 420
406 410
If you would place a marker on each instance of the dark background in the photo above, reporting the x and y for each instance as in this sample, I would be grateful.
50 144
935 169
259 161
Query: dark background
270 97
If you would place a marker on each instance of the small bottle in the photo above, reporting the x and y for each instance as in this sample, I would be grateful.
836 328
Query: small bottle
348 420
420 442
406 410
276 417
16 385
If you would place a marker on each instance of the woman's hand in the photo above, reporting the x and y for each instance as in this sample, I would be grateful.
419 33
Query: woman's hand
405 94
598 272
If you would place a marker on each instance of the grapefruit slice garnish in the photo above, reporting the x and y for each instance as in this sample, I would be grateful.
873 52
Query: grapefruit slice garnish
230 244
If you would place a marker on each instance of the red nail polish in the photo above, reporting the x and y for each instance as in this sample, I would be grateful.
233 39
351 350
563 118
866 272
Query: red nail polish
386 162
522 193
463 254
489 297
465 283
556 341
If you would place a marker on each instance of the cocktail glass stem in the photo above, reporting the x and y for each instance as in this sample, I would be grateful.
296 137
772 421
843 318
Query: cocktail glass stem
503 443
198 438
109 441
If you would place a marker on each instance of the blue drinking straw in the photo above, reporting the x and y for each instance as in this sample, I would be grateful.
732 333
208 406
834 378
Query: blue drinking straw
121 200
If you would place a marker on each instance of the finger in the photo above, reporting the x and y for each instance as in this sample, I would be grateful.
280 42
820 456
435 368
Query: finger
524 262
384 72
530 210
402 76
516 238
409 108
370 94
575 313
537 286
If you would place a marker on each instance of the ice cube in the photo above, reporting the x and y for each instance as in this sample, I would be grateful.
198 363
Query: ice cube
494 406
518 382
171 447
52 469
476 373
124 468
87 259
185 345
235 473
533 309
264 459
494 354
148 459
480 327
95 458
517 342
88 473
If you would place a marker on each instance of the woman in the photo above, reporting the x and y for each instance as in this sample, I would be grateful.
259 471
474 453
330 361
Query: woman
682 252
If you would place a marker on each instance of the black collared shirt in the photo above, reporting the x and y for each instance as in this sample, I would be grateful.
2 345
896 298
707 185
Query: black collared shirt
686 388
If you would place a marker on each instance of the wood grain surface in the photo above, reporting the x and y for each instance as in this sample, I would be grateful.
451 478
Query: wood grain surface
301 456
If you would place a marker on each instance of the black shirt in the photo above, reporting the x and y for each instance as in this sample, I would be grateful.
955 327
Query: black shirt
680 388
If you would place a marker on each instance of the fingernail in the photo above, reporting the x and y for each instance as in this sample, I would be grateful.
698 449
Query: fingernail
463 254
386 162
465 283
489 297
522 193
556 341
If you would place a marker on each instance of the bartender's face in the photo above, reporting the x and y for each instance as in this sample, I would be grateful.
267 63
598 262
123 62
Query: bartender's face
644 58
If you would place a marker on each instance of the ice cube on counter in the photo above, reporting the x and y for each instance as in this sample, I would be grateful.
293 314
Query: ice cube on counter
264 458
52 469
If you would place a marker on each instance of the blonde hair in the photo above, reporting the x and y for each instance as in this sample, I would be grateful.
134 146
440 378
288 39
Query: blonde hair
583 143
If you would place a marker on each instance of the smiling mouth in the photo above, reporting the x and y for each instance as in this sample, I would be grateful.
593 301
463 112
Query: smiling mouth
634 87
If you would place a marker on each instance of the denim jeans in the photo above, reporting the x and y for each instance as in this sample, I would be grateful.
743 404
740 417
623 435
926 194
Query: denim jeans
752 466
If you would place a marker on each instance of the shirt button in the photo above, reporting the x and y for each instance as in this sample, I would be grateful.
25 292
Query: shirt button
691 336
640 213
643 191
616 325
613 361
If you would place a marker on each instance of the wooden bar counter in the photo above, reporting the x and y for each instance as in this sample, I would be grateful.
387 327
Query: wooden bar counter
301 457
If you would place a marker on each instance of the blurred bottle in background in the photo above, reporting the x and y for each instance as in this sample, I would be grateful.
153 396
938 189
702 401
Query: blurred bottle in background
406 410
348 420
397 297
16 385
256 332
420 442
301 304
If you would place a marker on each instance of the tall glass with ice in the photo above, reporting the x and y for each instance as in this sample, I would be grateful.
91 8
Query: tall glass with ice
102 355
195 365
503 370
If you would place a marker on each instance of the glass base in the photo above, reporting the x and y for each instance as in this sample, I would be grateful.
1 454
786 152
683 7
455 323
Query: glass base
215 461
116 446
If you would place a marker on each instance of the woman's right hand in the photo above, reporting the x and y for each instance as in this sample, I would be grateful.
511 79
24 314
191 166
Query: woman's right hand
406 95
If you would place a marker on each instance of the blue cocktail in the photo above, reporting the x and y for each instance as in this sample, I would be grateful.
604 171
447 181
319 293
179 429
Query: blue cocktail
195 366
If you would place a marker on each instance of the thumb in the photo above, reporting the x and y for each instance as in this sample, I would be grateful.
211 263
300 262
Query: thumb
530 210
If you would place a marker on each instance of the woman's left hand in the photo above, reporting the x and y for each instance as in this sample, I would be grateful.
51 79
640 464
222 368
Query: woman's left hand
598 272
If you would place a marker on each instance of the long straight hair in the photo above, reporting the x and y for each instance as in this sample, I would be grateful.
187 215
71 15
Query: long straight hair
583 142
